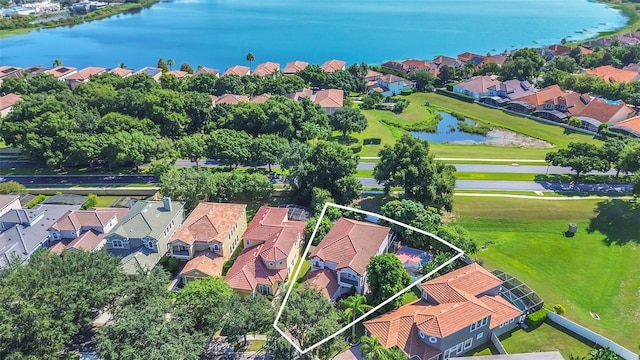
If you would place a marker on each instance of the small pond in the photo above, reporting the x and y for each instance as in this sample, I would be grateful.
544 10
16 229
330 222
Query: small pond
448 132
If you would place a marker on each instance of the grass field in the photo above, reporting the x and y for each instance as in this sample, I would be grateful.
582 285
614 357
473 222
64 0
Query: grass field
546 337
8 33
596 270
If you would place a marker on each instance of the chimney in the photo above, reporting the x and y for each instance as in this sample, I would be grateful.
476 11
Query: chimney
166 201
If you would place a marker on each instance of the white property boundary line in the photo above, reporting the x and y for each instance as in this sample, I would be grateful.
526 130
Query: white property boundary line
362 317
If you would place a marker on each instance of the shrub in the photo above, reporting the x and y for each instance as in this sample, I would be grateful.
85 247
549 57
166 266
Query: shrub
12 187
451 94
372 141
40 198
559 309
226 266
479 129
406 92
356 148
536 318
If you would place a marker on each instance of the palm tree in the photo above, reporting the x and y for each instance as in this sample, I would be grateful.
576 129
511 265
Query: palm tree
371 348
355 305
122 66
250 59
395 354
57 62
170 63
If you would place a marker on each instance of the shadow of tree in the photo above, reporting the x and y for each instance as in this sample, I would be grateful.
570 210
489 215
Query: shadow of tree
618 220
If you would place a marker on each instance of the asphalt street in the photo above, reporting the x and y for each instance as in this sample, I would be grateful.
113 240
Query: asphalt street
104 180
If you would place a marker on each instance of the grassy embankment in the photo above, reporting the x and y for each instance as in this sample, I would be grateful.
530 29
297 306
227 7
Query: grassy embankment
379 126
594 271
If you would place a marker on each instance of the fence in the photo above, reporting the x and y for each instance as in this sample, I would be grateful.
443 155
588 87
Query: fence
496 342
590 335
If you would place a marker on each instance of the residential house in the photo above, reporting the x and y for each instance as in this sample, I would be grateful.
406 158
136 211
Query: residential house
214 100
332 66
511 89
632 67
551 51
231 99
498 59
530 102
208 238
295 67
329 99
411 65
340 260
610 74
9 72
83 75
372 78
7 102
154 72
141 237
394 85
272 244
441 61
179 73
599 111
630 126
22 231
237 70
122 72
9 202
412 259
266 69
476 87
61 72
393 65
260 99
206 70
470 58
456 313
33 70
83 229
306 92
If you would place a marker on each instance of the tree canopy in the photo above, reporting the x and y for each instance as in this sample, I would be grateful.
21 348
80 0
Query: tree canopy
580 157
386 277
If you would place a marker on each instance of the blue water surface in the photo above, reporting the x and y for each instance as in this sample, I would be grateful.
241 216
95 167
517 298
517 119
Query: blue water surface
448 132
219 33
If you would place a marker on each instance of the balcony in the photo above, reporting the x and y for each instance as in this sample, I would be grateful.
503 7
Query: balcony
182 254
352 282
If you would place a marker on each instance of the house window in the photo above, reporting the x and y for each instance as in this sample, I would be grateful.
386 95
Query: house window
433 339
479 336
280 262
264 289
459 348
270 264
421 334
512 320
248 242
151 244
117 244
467 344
216 247
182 248
484 321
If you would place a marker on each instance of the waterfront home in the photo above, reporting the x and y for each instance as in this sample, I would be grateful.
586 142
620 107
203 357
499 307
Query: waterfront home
390 85
266 69
7 102
599 111
33 70
83 75
179 73
23 231
260 99
441 61
511 89
630 126
83 229
208 238
332 66
393 65
411 65
9 202
476 87
611 74
61 72
272 243
294 67
122 72
539 97
231 99
154 72
466 56
372 75
632 67
206 70
237 70
456 313
329 99
551 51
497 59
339 262
140 238
9 72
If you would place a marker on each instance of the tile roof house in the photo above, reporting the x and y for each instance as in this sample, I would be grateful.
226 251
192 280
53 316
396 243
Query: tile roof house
632 67
237 70
271 248
603 112
260 99
141 237
498 59
206 70
84 229
412 65
393 65
179 73
9 202
394 85
372 75
306 92
466 56
266 69
9 71
346 251
332 66
123 73
83 75
207 238
539 97
61 72
610 74
231 99
7 102
549 52
154 72
440 61
22 231
476 87
329 99
630 126
33 70
456 313
294 67
502 93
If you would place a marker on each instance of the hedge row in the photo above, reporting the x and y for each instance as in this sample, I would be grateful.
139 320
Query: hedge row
454 95
372 141
537 318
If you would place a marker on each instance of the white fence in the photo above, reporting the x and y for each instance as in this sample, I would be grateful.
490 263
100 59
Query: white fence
590 335
496 342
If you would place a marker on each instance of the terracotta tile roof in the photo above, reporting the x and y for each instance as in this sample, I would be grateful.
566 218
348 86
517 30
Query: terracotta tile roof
573 101
267 68
121 72
61 71
466 56
9 100
329 98
8 70
632 124
414 64
478 84
231 99
543 95
308 93
205 262
206 70
260 98
178 73
209 222
502 309
248 271
559 50
59 247
295 66
324 280
605 112
472 279
237 70
88 241
351 244
585 51
498 59
389 78
334 65
86 73
75 220
278 234
609 73
373 75
6 200
214 99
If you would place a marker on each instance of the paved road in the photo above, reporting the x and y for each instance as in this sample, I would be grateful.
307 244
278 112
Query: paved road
79 179
540 186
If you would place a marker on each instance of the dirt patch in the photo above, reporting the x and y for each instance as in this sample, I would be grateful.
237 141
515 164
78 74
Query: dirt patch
506 138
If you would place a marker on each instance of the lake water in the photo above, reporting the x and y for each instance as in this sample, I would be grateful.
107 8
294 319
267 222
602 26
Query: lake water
219 33
448 132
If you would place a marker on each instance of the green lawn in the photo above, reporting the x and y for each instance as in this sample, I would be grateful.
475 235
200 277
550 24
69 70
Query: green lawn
546 337
596 270
106 201
8 33
304 270
255 345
